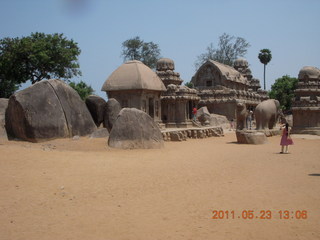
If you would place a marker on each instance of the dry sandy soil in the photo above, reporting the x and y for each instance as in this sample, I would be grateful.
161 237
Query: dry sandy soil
82 189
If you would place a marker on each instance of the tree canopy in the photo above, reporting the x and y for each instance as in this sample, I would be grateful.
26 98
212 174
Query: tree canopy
265 56
229 49
36 57
82 88
137 49
283 91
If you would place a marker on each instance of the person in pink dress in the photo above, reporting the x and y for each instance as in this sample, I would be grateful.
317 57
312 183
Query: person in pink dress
285 139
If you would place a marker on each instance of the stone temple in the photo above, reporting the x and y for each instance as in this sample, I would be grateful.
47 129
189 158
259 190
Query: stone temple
220 87
178 101
306 104
160 94
135 85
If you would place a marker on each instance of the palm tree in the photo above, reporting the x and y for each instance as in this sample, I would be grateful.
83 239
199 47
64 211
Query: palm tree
264 57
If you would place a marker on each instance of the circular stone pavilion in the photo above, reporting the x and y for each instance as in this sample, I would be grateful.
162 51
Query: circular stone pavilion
135 85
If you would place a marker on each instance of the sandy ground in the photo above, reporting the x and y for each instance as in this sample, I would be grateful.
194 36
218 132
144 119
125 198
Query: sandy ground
82 189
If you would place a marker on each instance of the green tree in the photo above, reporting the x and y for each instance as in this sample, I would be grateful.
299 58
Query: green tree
7 87
137 49
265 57
36 57
283 91
229 49
82 88
189 84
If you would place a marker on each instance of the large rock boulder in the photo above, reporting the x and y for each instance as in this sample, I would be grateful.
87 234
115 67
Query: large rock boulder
217 120
203 116
3 108
113 108
97 106
251 137
135 129
48 109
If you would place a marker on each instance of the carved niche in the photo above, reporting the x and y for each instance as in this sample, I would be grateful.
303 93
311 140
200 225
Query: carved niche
208 77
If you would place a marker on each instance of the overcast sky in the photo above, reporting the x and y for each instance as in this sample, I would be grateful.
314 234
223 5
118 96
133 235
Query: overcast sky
182 29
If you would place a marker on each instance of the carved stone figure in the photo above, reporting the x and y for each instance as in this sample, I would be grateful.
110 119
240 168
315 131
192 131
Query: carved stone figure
241 115
267 114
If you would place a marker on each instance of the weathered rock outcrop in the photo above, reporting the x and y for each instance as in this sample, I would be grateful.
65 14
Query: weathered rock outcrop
135 129
219 121
203 116
97 106
112 110
3 108
47 110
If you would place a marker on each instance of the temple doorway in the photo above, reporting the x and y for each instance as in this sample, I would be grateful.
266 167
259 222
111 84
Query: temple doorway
151 107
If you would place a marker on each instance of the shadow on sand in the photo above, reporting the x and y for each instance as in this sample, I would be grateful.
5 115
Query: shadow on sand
314 174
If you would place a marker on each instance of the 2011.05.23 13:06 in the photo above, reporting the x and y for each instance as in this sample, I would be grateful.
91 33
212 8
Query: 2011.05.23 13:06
260 214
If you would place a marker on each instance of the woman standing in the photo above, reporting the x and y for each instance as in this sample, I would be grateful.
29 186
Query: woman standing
285 139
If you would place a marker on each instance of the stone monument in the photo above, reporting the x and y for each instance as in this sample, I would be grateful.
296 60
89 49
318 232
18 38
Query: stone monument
178 101
306 104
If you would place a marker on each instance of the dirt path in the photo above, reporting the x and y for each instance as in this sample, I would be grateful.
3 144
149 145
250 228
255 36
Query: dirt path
67 189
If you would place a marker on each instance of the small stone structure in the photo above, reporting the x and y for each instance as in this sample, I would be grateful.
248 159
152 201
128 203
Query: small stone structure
178 101
134 85
306 104
221 87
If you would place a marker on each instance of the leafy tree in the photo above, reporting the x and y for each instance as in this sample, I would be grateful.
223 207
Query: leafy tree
229 49
137 49
283 91
189 84
7 87
265 57
82 88
36 57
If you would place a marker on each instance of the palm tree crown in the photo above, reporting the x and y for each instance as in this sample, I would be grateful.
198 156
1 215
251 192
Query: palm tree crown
264 57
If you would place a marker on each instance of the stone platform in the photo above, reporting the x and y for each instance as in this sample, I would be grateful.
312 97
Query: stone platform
182 134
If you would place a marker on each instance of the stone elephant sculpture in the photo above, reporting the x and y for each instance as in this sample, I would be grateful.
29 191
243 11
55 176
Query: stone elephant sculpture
267 114
242 114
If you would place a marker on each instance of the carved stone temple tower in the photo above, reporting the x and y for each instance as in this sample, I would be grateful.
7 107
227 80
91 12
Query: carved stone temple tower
177 102
306 105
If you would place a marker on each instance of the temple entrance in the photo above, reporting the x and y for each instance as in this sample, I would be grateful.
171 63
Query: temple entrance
151 107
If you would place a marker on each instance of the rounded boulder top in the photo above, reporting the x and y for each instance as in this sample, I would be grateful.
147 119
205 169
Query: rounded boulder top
133 75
